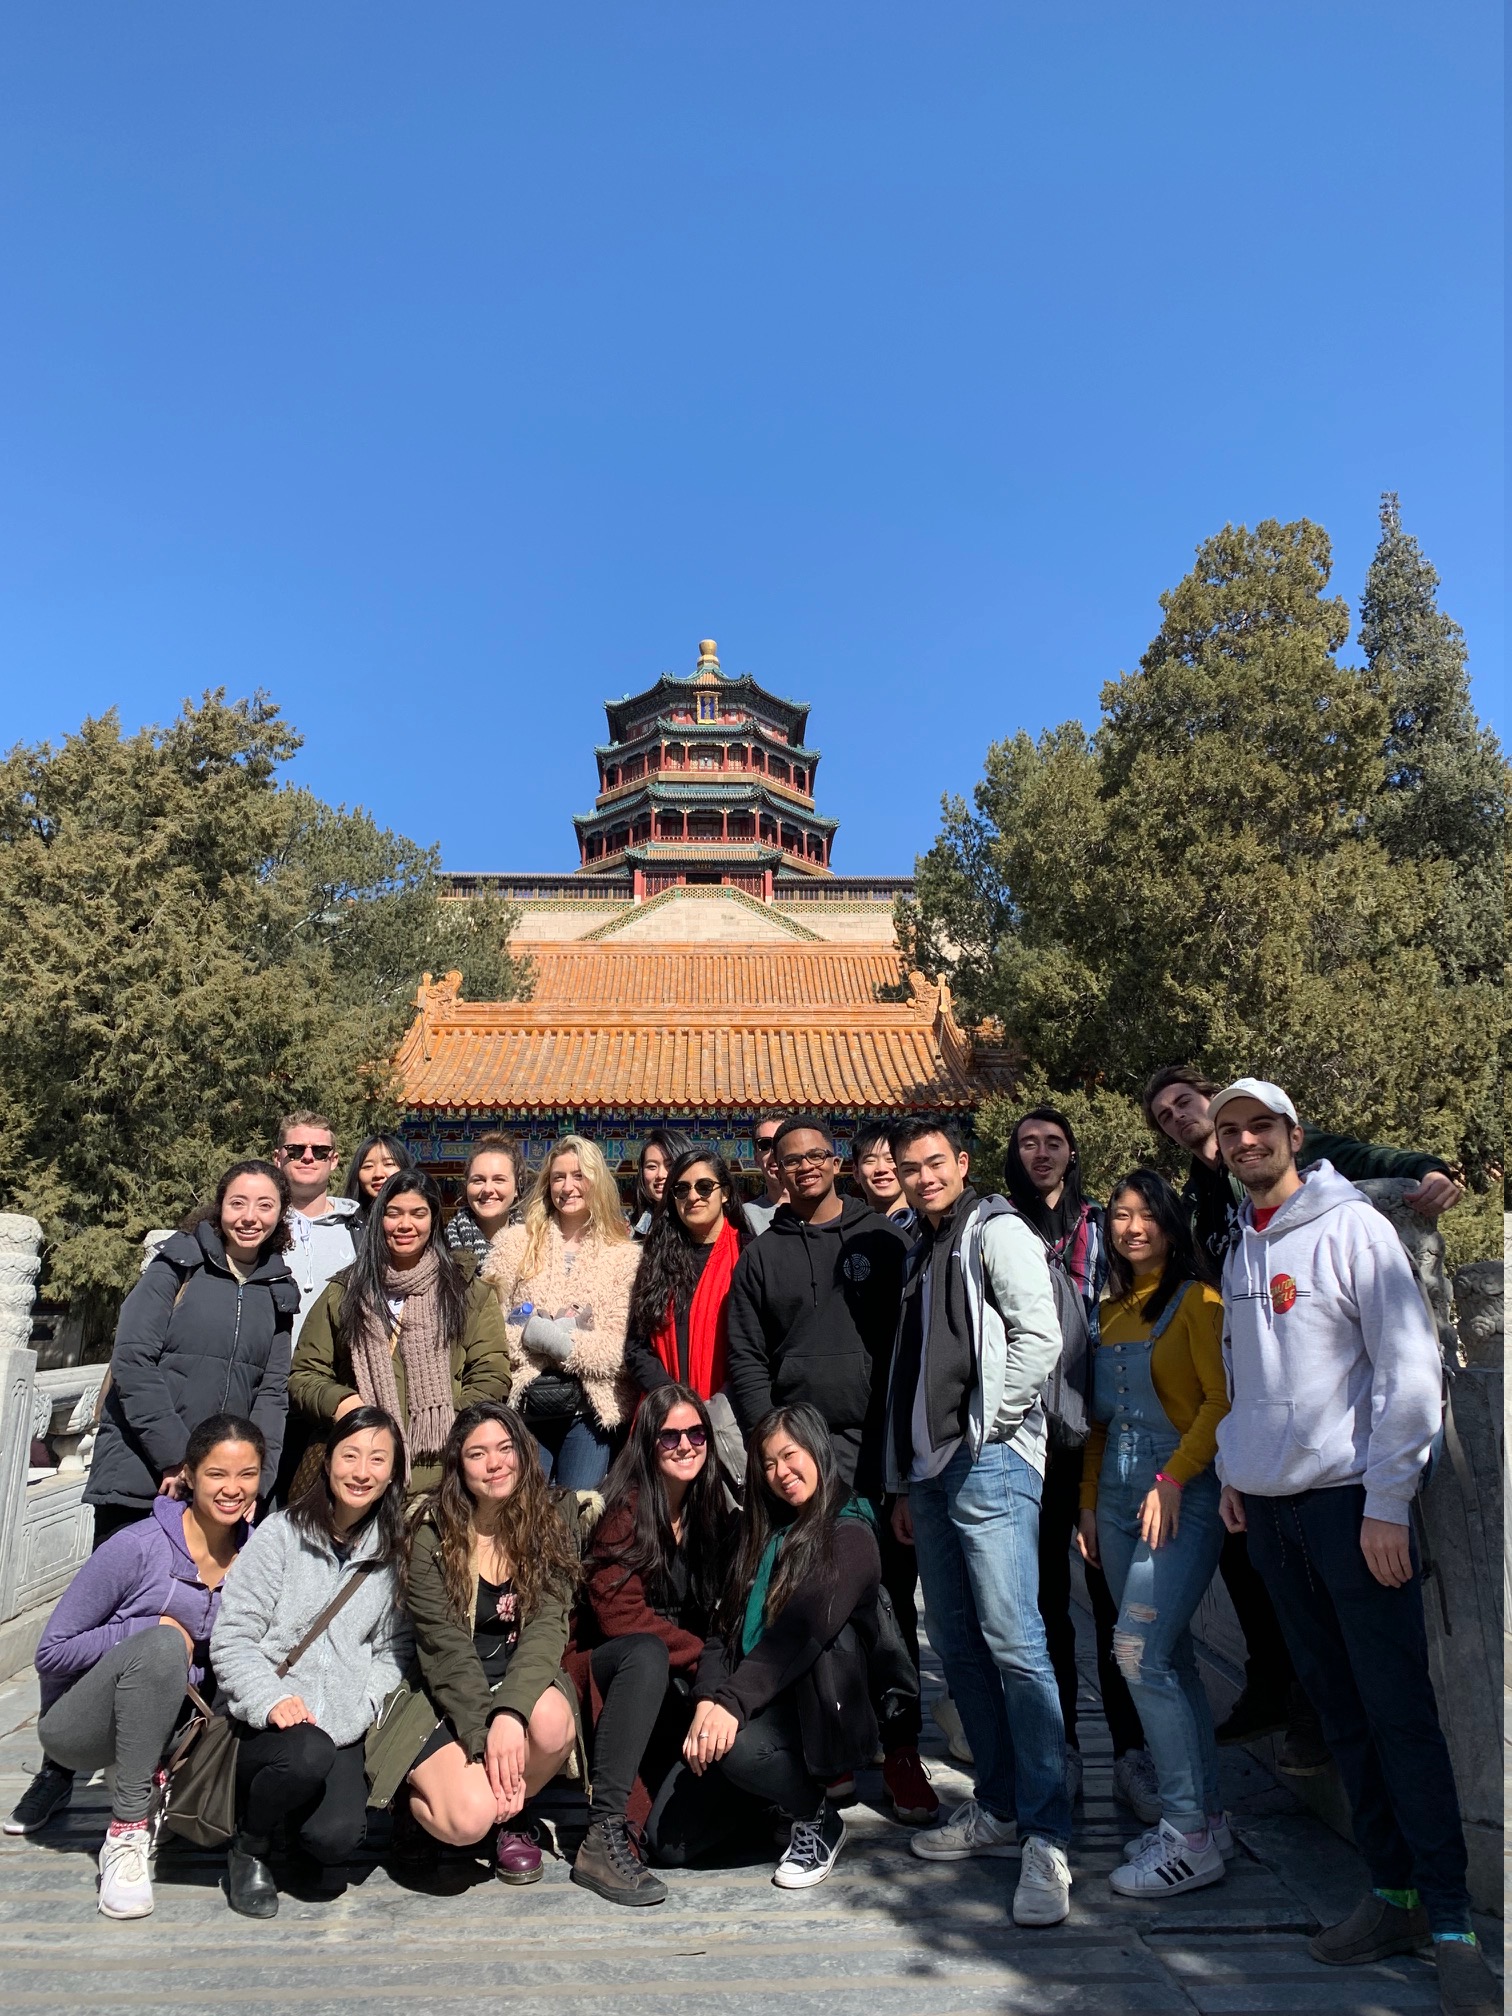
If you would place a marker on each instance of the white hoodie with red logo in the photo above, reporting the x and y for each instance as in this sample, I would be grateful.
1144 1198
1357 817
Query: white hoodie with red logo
1333 1364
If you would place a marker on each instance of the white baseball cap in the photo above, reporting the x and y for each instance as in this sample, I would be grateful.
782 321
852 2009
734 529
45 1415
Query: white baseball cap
1271 1097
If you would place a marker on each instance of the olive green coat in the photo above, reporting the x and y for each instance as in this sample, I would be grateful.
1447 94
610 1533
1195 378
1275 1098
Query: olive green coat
447 1681
321 1375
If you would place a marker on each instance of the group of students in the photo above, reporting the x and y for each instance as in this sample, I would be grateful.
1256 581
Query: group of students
647 1504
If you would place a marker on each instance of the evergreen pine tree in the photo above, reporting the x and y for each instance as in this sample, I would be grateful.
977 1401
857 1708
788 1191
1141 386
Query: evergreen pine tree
1446 779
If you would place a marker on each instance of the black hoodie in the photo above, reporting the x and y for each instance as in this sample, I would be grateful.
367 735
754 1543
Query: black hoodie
812 1314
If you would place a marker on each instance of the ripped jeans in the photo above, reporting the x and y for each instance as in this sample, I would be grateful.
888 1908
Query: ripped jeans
1157 1592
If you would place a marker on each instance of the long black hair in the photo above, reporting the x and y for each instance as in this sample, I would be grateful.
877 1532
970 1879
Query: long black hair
672 1144
313 1512
396 1148
365 1297
668 1271
636 1485
1021 1190
809 1542
1184 1260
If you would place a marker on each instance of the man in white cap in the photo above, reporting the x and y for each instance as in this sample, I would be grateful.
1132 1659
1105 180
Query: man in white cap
1334 1370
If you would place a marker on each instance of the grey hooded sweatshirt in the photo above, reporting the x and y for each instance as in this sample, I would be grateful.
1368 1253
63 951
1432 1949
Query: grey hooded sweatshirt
1333 1364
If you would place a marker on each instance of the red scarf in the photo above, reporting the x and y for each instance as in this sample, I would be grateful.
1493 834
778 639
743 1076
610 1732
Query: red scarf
708 1330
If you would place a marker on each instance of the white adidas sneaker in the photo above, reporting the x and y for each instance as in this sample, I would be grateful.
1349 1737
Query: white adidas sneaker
1218 1827
1168 1865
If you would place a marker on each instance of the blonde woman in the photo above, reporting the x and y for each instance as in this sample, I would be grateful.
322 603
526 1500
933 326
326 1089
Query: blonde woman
563 1279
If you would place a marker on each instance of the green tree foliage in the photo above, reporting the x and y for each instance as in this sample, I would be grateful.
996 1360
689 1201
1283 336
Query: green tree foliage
190 949
1446 777
1203 880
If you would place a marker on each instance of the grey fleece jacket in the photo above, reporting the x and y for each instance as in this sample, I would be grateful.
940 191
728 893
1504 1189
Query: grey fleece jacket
277 1587
1333 1365
1015 1334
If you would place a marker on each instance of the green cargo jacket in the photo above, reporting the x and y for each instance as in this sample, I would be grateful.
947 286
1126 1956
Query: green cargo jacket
321 1376
447 1682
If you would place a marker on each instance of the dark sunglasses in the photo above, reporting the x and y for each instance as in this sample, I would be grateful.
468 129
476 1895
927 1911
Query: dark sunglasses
297 1151
765 1143
670 1440
704 1187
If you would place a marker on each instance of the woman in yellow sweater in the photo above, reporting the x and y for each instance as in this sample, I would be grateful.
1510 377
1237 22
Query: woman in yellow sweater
1150 1515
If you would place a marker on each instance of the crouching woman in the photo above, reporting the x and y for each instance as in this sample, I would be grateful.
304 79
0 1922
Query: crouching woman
132 1629
487 1717
783 1701
310 1640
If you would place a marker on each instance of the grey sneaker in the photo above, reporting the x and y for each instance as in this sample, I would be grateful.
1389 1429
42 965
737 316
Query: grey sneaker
970 1830
1135 1784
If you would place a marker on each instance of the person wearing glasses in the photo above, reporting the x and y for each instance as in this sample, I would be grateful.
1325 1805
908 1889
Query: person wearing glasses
325 1228
812 1316
652 1580
761 1210
679 1304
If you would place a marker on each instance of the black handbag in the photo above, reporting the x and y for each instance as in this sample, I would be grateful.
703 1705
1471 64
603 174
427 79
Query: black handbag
199 1785
889 1670
552 1397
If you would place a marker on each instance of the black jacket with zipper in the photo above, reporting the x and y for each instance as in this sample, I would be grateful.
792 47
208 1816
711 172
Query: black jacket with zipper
192 1341
812 1315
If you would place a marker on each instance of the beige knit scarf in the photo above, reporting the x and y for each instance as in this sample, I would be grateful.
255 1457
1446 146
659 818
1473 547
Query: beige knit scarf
427 1358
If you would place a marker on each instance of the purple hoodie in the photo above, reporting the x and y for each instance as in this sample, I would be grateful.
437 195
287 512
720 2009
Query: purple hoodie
141 1575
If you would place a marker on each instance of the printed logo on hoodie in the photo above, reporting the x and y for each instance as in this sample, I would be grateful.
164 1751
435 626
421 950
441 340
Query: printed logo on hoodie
1283 1293
857 1268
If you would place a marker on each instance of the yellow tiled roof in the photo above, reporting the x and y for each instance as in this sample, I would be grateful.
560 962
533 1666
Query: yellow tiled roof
621 1027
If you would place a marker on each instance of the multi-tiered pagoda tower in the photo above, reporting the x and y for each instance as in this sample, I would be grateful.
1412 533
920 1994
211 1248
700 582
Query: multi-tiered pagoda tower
705 781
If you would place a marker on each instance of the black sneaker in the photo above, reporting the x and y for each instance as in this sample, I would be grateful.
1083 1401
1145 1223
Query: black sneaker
609 1864
1303 1752
812 1849
48 1793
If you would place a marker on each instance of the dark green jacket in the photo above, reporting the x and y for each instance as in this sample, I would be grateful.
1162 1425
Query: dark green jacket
321 1375
447 1681
1213 1196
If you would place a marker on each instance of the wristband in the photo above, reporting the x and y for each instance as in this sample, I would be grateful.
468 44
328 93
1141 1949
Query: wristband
1161 1477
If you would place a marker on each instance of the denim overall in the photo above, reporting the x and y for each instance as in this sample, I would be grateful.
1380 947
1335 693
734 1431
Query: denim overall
1157 1592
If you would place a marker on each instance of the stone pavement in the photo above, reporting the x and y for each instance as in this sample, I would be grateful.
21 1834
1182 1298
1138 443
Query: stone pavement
887 1935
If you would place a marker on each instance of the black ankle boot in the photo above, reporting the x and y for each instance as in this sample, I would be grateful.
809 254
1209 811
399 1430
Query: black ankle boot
250 1888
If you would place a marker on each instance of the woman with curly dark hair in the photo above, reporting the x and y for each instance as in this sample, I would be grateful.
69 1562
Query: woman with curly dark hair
678 1329
782 1701
206 1330
492 1718
651 1590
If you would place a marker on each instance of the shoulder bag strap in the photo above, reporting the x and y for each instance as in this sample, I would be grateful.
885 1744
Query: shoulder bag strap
326 1618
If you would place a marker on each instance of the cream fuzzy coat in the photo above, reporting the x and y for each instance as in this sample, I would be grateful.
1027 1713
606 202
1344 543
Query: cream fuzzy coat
600 1279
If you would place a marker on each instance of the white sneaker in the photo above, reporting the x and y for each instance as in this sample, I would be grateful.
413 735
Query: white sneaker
970 1830
1073 1776
948 1721
1135 1784
1167 1865
1218 1828
125 1886
1043 1896
811 1853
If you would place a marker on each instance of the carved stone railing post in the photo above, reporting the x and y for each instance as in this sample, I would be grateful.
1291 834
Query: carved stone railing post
20 1259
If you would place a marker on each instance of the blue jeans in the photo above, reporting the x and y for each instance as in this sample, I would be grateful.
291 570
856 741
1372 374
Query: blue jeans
1361 1653
976 1532
574 1454
1156 1593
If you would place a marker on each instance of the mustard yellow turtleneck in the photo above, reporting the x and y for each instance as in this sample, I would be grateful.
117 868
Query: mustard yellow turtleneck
1186 1369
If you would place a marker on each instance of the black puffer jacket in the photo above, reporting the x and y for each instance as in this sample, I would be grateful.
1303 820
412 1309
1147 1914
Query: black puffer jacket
192 1341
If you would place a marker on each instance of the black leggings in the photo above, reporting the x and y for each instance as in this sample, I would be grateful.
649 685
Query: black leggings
642 1722
1058 1509
300 1773
900 1578
764 1767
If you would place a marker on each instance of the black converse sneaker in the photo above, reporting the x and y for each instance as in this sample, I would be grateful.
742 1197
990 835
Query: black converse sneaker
812 1850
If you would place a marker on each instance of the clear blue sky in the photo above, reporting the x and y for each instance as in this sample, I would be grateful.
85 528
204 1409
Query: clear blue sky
446 370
